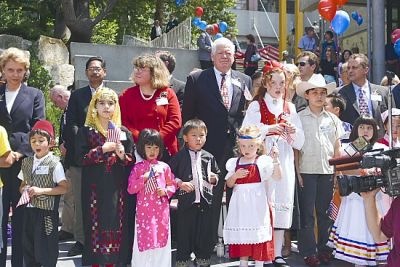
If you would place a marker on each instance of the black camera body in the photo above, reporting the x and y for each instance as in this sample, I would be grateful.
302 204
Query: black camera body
389 180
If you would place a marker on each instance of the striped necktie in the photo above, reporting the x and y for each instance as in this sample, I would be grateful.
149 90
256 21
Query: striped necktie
362 103
224 91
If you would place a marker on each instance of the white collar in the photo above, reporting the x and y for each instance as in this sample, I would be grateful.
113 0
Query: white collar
36 160
273 101
219 73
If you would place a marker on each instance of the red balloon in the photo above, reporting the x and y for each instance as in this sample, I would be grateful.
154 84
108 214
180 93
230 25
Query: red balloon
395 35
199 11
216 28
327 9
341 2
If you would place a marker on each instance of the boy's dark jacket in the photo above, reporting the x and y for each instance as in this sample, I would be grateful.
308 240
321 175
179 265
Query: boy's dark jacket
181 167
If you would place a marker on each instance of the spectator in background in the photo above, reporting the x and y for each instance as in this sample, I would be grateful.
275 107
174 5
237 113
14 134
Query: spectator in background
204 43
229 36
172 23
328 65
292 79
343 59
290 41
328 42
307 42
256 81
156 30
344 80
392 61
307 62
250 64
177 85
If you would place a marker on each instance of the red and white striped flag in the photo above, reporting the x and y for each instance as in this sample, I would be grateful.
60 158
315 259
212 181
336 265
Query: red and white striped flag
24 199
113 133
151 184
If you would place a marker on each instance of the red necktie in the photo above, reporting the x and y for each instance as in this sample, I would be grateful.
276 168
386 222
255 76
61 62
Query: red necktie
224 91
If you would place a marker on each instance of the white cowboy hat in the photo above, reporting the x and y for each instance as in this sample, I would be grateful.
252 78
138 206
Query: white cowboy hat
316 81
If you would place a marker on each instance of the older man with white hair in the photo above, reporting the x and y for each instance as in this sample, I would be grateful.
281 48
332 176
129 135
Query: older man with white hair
217 96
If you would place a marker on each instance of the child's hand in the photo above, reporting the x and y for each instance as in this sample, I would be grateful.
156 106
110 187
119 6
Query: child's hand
120 151
277 128
241 173
290 128
35 191
161 192
109 147
212 178
187 187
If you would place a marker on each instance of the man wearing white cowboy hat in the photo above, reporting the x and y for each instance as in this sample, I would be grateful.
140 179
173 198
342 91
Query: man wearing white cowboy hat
322 131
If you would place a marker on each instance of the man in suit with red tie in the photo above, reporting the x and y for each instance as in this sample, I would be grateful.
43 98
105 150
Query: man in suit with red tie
363 97
217 96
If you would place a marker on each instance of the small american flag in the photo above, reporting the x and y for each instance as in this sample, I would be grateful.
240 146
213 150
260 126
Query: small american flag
286 136
113 133
334 205
151 184
24 199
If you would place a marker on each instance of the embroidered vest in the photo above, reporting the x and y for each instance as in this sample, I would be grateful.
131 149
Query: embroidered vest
268 118
44 202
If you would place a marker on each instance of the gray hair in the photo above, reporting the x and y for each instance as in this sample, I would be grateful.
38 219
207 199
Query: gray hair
225 42
58 88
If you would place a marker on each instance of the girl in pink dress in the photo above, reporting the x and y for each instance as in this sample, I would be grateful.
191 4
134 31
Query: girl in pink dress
154 184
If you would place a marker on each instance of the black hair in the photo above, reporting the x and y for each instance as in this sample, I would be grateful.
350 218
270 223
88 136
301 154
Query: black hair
330 33
41 133
337 101
166 56
193 124
251 38
342 56
102 61
256 75
149 137
368 121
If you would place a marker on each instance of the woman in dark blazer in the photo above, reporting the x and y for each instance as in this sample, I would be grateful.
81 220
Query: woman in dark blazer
20 107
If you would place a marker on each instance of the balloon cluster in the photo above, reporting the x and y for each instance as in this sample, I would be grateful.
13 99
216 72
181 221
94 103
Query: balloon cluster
218 28
396 41
357 17
180 2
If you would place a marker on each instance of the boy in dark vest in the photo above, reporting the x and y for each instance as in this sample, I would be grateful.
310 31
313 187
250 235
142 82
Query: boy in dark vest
196 172
43 181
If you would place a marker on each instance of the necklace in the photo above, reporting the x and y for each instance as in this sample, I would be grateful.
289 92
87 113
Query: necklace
147 98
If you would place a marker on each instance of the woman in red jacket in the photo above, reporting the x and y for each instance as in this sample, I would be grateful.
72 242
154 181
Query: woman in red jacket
151 104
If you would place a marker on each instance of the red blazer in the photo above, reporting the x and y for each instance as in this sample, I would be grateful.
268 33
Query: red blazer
138 114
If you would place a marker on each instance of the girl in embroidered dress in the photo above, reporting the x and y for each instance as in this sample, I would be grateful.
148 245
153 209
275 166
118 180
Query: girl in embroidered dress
350 237
153 182
248 226
105 152
280 126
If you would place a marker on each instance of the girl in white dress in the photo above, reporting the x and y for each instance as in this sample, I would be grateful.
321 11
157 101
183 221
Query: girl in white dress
350 238
248 225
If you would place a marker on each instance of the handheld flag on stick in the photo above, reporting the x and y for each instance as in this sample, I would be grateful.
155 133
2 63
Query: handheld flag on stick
24 199
151 184
113 133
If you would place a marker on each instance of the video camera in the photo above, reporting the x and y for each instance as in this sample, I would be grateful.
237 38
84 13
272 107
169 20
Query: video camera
385 160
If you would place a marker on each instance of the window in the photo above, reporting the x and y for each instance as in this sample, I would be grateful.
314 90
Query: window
273 6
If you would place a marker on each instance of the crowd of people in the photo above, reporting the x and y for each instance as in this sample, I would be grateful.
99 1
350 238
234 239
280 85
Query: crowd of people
263 145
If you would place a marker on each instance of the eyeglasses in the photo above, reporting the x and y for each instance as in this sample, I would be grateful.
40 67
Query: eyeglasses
301 64
93 69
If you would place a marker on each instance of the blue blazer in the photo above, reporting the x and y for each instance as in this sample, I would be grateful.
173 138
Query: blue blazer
28 108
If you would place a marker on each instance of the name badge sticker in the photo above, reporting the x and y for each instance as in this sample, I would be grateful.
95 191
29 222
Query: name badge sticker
162 101
122 136
42 170
376 97
237 83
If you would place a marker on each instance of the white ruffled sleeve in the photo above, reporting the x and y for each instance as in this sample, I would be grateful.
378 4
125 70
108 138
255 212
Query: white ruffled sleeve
265 167
230 167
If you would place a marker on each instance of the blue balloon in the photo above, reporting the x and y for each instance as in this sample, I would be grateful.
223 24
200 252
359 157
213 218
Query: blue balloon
397 47
354 15
340 22
218 35
179 2
223 26
360 20
196 21
202 25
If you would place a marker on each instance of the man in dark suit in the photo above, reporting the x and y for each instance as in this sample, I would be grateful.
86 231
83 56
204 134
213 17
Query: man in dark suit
177 85
217 97
204 42
20 107
363 97
76 116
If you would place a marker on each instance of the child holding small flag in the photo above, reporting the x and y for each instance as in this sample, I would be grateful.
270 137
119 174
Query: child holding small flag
104 149
281 127
43 181
197 174
153 183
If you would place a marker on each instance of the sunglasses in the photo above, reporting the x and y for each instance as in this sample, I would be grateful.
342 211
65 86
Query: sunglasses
301 64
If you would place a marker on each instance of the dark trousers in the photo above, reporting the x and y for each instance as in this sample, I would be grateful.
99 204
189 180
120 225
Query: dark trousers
11 196
316 194
40 236
205 64
194 234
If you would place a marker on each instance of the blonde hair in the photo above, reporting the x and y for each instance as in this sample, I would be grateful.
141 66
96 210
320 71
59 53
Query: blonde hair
260 93
395 80
158 71
251 132
16 55
292 71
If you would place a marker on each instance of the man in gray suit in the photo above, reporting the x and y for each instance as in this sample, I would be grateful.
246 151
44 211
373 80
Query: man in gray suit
204 43
363 97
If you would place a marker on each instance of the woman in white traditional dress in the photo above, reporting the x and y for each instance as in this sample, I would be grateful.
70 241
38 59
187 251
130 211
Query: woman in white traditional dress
280 126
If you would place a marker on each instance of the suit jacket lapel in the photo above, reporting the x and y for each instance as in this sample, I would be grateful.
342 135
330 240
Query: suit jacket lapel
3 106
215 88
352 97
21 96
237 91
